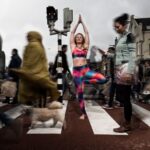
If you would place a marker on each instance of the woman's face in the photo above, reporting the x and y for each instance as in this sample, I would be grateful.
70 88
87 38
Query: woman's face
79 39
119 28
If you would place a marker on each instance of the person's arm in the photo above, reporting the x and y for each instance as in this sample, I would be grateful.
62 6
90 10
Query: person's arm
132 57
132 53
72 42
103 52
87 40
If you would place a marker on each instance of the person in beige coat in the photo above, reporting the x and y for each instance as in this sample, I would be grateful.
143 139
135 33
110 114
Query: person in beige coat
34 75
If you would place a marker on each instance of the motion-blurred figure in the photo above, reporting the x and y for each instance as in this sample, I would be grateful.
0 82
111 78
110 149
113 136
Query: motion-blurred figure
34 75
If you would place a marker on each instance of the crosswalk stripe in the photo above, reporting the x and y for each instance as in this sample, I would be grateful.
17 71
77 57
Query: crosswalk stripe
101 122
14 112
141 113
56 130
2 104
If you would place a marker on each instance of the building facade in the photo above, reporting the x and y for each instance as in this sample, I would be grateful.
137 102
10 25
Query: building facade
140 27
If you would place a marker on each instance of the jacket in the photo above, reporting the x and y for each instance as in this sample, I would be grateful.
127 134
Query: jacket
34 75
126 51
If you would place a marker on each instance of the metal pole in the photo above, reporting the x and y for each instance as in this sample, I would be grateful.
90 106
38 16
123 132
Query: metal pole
2 59
1 42
59 68
51 19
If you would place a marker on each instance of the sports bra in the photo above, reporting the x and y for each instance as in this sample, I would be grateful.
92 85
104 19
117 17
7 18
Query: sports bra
79 53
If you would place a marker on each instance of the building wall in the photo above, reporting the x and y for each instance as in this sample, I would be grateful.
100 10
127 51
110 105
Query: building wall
142 39
146 45
142 44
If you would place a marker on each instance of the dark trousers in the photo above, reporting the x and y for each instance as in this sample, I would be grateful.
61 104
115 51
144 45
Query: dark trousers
112 93
65 85
123 93
5 119
15 99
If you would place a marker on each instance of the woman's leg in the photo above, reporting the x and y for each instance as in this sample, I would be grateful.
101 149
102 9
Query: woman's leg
94 77
79 87
119 93
125 92
127 103
78 74
112 94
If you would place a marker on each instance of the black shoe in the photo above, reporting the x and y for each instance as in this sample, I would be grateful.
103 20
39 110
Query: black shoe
122 129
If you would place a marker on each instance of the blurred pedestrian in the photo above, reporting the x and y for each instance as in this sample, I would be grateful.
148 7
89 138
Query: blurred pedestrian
15 63
34 75
110 73
65 67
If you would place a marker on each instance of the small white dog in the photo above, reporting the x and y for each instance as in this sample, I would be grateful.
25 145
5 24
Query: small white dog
52 111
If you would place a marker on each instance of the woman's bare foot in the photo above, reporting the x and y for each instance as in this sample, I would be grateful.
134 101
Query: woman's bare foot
82 117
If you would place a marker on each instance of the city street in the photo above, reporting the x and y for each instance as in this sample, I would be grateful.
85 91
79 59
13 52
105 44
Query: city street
93 133
75 75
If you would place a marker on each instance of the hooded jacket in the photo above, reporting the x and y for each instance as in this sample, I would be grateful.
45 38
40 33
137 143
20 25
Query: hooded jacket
34 75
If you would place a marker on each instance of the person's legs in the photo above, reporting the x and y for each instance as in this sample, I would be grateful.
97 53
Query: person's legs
119 93
112 94
79 87
94 77
127 103
80 91
64 83
125 91
79 83
53 91
72 90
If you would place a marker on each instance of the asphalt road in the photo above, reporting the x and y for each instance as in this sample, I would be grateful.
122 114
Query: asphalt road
79 134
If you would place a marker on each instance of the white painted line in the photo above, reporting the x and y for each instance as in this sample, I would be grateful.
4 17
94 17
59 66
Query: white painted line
101 122
15 112
59 81
141 113
47 130
2 104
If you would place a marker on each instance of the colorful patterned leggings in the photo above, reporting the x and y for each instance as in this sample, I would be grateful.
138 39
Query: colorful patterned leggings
83 74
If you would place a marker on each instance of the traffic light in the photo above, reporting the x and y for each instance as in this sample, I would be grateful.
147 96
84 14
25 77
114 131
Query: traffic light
52 14
68 17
